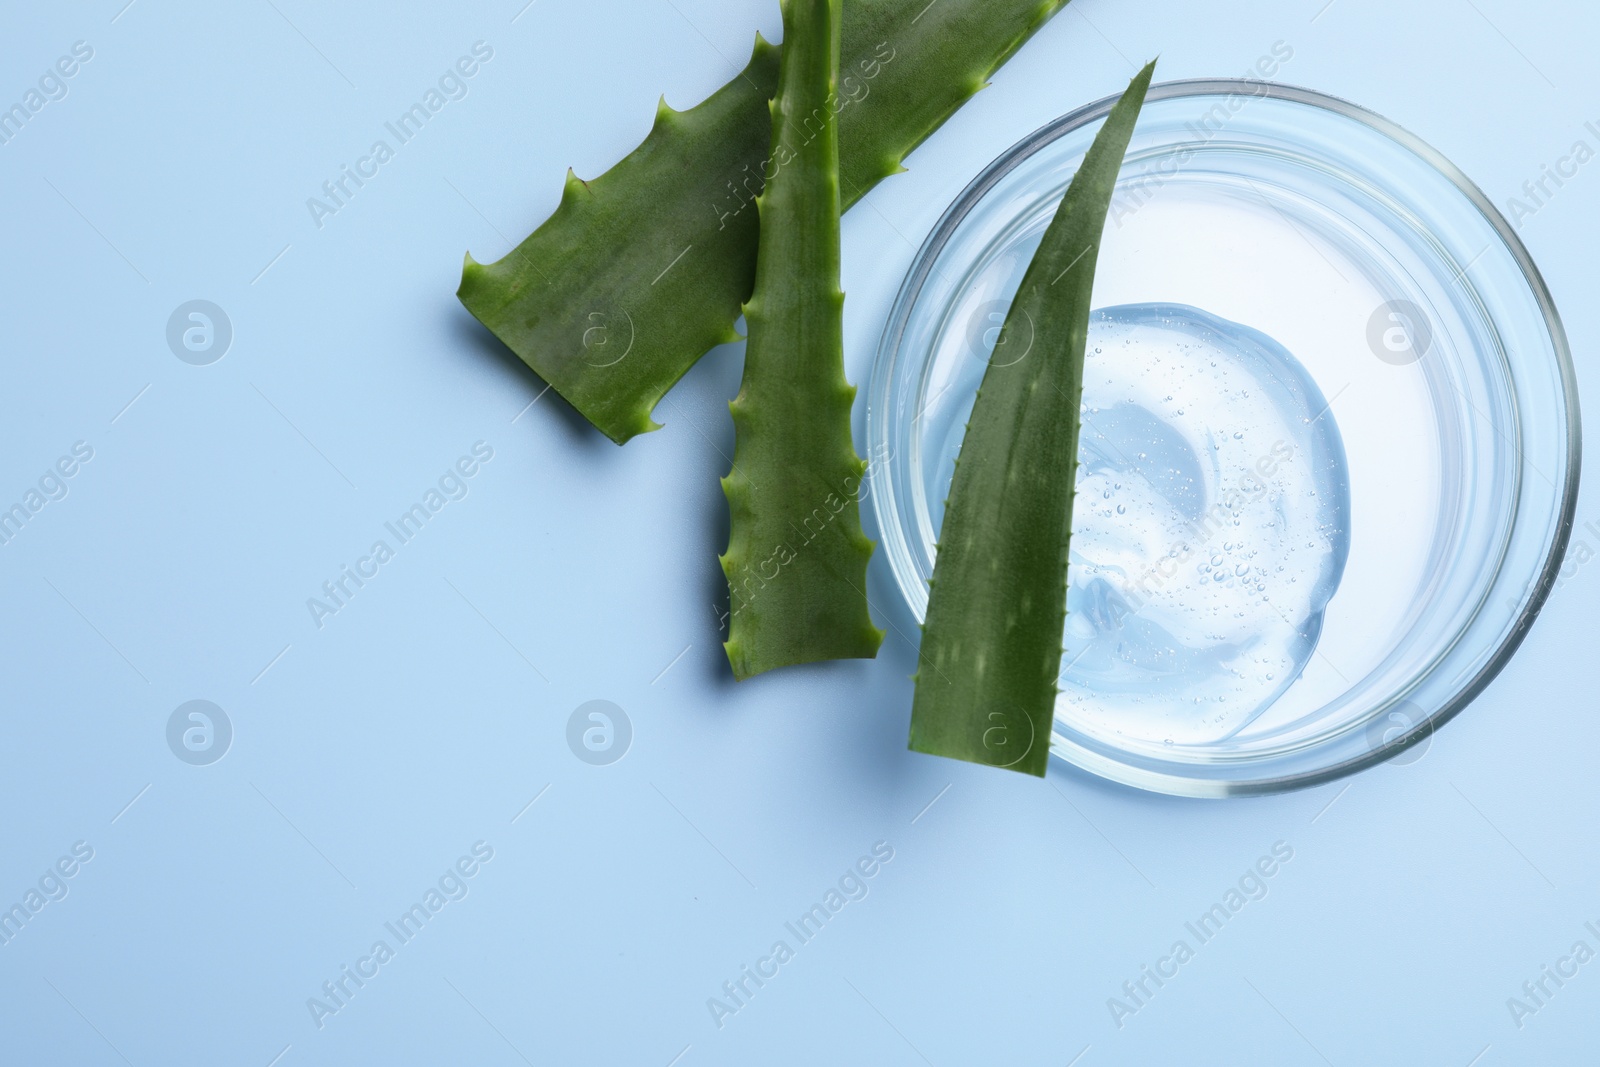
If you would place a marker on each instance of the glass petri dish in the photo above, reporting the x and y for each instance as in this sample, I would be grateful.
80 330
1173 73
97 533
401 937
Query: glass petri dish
1280 265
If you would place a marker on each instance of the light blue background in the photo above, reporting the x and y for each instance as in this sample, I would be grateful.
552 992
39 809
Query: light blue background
370 754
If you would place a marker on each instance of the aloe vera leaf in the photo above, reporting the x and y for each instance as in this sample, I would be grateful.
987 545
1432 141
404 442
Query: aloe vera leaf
797 559
642 270
991 644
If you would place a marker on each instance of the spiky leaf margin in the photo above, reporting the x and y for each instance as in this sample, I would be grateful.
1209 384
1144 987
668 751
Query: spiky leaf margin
641 271
797 559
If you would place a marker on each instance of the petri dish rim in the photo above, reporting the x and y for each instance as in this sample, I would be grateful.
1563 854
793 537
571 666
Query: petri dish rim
1171 779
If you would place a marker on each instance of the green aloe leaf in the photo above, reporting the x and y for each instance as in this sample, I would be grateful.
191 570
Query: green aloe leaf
642 270
797 559
991 644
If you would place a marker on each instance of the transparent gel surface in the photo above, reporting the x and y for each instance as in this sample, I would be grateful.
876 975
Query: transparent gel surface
1210 527
1277 266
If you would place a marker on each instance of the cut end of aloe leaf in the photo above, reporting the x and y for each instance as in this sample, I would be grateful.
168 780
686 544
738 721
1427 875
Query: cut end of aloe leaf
862 644
481 283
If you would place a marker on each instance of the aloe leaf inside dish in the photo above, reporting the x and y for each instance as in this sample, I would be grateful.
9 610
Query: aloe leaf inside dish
992 641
